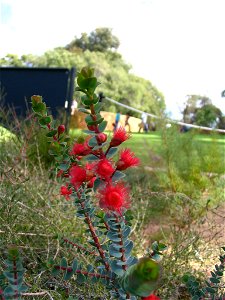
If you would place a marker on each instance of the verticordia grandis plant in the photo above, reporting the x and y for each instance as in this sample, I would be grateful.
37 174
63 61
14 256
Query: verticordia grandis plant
93 170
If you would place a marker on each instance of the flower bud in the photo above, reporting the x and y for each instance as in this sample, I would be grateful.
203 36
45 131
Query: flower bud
102 137
36 98
61 129
142 278
91 127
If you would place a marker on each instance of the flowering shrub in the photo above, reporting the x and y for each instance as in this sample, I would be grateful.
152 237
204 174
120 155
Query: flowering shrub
92 171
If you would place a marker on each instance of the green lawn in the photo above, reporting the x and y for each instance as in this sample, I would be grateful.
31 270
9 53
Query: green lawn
145 144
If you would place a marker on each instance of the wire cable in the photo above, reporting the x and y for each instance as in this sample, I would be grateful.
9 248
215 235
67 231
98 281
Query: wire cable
169 120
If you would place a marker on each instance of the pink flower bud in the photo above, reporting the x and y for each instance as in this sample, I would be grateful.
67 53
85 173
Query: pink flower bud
61 129
91 127
102 137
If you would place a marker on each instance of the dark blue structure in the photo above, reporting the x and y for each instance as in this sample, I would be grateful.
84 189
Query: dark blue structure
55 85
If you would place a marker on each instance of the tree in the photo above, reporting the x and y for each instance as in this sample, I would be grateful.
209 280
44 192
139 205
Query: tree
199 110
114 73
208 115
101 39
192 104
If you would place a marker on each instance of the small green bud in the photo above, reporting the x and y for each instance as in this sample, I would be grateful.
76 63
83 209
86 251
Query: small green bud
142 278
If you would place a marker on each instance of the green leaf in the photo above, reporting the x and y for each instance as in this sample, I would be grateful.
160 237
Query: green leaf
117 269
68 275
117 176
126 232
51 133
94 279
128 246
63 262
39 107
89 132
45 120
210 290
112 151
23 288
97 183
80 278
102 126
155 246
64 167
156 257
131 261
8 291
214 280
90 268
162 247
81 109
113 236
92 142
88 119
87 83
91 157
55 271
98 107
75 265
86 101
114 252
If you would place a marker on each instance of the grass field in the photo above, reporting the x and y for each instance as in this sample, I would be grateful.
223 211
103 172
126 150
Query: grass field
144 144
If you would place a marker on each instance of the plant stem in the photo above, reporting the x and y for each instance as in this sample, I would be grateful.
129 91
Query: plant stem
97 275
79 247
95 238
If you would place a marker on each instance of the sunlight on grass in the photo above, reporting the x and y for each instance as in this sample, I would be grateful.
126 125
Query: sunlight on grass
5 134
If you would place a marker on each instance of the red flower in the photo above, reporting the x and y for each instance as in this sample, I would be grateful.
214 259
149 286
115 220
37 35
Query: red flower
114 197
78 176
119 136
151 297
104 168
127 159
64 191
81 149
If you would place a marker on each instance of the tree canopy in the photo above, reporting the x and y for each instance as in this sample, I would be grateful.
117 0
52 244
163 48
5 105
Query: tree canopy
117 80
101 39
199 110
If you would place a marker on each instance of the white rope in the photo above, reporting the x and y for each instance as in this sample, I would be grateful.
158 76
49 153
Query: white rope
169 120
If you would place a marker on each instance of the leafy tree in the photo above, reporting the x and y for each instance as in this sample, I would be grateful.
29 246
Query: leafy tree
101 39
11 60
199 110
208 115
192 104
117 81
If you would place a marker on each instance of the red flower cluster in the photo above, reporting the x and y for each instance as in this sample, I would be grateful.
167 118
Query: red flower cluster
64 191
114 197
119 136
126 160
151 297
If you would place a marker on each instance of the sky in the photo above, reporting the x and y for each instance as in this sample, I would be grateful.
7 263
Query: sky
178 45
